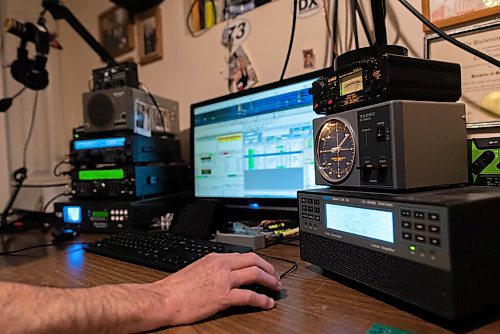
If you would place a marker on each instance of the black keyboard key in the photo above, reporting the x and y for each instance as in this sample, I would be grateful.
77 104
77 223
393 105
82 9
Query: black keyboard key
159 250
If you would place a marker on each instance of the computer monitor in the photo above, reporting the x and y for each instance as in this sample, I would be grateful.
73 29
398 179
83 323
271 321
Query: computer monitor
254 149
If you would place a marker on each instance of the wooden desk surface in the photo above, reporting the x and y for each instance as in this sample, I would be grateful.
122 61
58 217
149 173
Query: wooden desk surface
312 303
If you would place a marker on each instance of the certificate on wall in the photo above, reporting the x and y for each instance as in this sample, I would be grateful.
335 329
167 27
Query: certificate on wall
444 13
480 79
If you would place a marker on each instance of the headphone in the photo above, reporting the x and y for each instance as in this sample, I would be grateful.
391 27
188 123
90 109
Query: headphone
30 72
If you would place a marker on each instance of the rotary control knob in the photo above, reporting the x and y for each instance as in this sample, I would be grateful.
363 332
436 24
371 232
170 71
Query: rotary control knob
318 88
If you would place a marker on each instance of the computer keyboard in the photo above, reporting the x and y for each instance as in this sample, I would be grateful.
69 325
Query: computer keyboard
159 250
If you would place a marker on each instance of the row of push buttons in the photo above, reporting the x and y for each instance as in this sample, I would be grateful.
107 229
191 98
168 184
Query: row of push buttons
119 212
421 238
310 212
309 200
420 226
119 218
420 215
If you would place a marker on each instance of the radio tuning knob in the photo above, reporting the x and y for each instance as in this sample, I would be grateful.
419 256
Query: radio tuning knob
318 88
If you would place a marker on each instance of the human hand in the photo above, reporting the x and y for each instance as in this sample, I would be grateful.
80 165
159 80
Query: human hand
212 283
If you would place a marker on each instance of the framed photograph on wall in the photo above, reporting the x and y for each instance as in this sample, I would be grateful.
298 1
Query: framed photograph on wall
116 31
445 13
149 35
480 79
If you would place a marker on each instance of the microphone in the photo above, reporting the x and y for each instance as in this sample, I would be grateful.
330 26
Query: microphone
6 103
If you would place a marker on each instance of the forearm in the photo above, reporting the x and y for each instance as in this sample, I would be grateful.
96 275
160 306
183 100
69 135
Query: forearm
109 308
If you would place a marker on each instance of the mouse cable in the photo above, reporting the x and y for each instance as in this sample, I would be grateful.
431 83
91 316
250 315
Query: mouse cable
41 246
289 271
448 38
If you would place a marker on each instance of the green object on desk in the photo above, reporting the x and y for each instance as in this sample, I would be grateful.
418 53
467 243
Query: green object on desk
383 329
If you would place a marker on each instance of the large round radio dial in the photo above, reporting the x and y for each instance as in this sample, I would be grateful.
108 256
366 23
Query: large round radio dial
335 148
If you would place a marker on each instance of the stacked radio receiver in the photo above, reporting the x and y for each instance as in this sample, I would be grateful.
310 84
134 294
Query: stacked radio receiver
127 167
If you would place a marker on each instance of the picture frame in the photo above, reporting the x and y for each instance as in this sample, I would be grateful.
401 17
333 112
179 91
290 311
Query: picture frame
116 31
480 79
446 13
149 35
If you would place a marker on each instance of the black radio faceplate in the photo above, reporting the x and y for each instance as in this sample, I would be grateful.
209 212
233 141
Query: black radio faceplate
129 182
383 78
435 249
124 148
412 232
111 216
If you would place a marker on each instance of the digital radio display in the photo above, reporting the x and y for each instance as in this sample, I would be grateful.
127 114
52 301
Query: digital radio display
106 174
370 223
89 144
99 214
351 83
72 214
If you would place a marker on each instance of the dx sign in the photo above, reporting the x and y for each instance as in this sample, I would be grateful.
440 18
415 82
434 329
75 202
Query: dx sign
307 8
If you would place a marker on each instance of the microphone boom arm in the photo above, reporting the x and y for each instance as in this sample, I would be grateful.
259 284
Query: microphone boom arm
59 11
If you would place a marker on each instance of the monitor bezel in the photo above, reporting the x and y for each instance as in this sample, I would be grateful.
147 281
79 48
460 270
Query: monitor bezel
273 203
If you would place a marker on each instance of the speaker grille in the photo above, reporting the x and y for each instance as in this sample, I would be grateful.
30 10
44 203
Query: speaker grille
100 110
426 287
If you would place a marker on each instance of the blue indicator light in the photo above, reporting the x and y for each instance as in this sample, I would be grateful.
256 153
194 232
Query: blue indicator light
254 205
99 143
72 214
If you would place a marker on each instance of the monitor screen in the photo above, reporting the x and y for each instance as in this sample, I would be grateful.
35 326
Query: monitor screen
255 145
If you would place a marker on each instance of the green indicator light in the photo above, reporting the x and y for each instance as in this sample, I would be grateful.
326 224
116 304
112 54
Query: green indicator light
77 136
413 248
107 174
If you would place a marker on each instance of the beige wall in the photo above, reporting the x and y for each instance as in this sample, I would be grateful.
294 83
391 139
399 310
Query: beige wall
192 69
49 141
4 166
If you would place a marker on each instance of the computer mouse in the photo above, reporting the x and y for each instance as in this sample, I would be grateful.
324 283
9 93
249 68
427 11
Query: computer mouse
276 295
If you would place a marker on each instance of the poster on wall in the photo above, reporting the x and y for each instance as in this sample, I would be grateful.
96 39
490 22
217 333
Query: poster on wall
480 79
242 75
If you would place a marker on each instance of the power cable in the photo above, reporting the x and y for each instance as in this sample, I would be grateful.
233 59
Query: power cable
363 22
41 246
30 132
354 23
335 27
20 174
448 38
292 35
